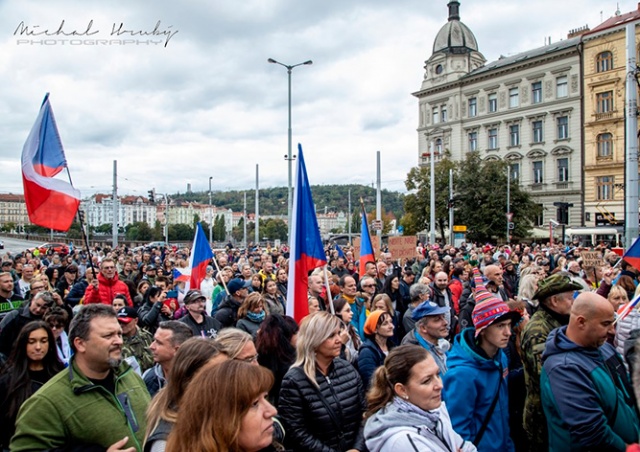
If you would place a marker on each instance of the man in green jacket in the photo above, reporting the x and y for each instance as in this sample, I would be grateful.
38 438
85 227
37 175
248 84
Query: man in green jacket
586 393
97 401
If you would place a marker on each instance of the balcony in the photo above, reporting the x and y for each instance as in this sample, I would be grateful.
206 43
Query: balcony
604 116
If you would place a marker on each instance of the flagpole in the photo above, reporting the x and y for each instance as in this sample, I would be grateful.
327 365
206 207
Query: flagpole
329 297
215 262
80 215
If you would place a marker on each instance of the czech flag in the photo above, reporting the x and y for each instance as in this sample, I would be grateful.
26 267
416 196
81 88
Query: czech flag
306 251
51 203
340 251
632 256
201 254
366 248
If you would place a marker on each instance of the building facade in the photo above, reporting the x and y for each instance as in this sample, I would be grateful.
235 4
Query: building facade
13 211
605 72
131 209
524 109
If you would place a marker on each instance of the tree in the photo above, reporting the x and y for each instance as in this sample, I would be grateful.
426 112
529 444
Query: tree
481 200
105 228
181 232
274 229
139 232
417 205
219 229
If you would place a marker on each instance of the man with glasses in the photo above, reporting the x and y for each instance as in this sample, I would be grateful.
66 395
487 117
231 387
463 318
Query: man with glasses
14 321
106 286
200 323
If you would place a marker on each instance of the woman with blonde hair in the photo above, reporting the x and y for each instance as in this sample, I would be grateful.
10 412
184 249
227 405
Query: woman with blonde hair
526 289
251 314
321 399
162 414
237 344
225 408
406 411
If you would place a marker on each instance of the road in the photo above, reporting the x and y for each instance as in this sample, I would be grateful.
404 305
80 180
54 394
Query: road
15 246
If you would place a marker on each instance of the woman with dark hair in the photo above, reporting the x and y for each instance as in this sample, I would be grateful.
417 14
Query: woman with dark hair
276 347
153 309
58 320
321 398
282 282
193 354
32 363
392 289
274 300
225 409
142 288
349 335
53 273
378 331
406 411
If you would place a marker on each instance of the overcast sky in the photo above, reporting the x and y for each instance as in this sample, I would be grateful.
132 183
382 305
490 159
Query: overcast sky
203 101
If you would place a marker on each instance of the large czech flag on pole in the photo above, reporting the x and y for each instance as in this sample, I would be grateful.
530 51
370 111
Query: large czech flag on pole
51 203
201 255
632 256
366 248
306 251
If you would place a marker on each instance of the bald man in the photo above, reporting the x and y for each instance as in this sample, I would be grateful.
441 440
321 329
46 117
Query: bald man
494 274
586 393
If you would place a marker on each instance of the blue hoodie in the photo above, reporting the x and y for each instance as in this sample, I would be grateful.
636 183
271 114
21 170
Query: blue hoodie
470 385
585 409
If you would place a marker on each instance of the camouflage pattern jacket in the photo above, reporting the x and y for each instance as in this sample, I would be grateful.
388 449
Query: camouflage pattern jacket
533 340
138 347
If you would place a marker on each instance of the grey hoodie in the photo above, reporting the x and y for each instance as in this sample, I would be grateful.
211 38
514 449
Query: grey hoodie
394 428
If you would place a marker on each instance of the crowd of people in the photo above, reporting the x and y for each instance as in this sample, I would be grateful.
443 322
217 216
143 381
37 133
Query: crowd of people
481 347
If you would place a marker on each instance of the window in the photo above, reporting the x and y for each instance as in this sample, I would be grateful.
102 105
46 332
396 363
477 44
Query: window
439 69
514 135
563 127
605 145
493 103
436 115
537 172
443 113
438 146
473 141
473 107
514 171
536 92
604 102
604 187
604 62
537 131
561 87
540 216
513 98
493 138
563 170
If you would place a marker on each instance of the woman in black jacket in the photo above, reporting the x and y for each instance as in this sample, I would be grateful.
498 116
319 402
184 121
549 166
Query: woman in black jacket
321 398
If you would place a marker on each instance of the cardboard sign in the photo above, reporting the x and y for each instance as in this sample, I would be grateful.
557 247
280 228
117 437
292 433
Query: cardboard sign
403 247
375 243
591 258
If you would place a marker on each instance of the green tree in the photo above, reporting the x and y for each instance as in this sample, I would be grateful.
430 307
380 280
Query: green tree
181 232
139 231
219 229
417 205
104 228
8 226
481 200
274 229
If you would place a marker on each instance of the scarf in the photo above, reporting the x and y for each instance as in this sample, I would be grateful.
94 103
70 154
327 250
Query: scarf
431 418
256 316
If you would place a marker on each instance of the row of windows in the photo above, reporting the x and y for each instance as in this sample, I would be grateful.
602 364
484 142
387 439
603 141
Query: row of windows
537 132
439 114
537 168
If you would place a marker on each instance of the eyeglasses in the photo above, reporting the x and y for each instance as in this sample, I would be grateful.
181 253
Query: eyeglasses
250 359
37 288
365 286
56 326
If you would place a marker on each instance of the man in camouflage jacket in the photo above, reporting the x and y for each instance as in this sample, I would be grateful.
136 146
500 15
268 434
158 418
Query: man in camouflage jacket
555 294
136 341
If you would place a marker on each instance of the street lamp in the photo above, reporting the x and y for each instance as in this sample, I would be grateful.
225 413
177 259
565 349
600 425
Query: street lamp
210 214
289 157
432 207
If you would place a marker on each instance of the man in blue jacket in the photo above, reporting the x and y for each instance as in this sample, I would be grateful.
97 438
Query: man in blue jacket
586 394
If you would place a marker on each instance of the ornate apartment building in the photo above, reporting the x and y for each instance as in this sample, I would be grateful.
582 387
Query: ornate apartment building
605 72
524 109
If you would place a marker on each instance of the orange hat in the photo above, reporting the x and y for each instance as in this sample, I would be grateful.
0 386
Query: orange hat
371 324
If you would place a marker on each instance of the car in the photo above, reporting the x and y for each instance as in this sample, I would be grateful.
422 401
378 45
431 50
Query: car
53 247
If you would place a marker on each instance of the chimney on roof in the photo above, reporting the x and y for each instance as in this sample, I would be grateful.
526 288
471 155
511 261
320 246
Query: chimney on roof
578 31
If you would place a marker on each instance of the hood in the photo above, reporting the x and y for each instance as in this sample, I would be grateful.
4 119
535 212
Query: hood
230 302
465 352
389 421
558 342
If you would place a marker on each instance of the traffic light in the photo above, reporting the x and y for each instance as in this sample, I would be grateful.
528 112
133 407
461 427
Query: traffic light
152 196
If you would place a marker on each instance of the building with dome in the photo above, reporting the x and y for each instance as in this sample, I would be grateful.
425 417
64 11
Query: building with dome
523 108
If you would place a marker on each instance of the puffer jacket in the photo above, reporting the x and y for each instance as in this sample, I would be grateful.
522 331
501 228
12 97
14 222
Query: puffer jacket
370 357
106 291
308 424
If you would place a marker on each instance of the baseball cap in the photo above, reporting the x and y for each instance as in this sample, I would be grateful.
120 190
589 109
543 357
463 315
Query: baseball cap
236 284
192 296
127 314
427 308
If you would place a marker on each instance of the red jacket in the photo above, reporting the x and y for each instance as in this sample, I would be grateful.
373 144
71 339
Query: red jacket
107 290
